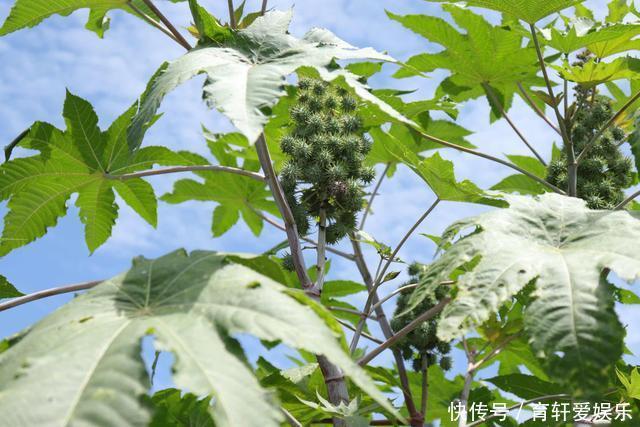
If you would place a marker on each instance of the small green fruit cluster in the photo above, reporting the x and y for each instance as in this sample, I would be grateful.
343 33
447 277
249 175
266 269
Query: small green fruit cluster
421 346
604 172
325 171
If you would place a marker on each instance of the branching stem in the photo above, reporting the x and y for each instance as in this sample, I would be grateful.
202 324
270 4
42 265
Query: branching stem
48 293
387 332
489 157
547 80
628 200
533 105
149 20
427 315
183 42
195 168
380 275
606 126
373 196
333 376
492 95
279 226
232 15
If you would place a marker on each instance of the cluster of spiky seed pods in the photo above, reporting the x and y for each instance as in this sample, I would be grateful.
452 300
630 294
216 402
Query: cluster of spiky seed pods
604 172
325 172
421 346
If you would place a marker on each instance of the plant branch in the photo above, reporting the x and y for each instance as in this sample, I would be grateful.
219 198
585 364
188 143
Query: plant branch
572 170
379 276
392 294
279 226
429 314
194 168
468 381
321 258
232 15
488 157
183 42
289 222
149 20
518 405
333 376
607 125
425 385
400 290
263 9
404 239
628 200
293 422
364 334
352 311
387 332
533 105
48 293
543 67
373 196
494 352
492 95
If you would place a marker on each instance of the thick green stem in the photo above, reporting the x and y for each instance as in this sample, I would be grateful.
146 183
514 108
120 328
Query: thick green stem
333 376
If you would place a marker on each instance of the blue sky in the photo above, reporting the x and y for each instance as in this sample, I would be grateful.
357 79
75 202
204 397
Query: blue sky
37 66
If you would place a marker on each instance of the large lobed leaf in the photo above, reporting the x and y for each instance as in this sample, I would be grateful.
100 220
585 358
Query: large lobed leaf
530 11
437 172
482 55
563 247
82 160
82 364
246 71
602 42
29 13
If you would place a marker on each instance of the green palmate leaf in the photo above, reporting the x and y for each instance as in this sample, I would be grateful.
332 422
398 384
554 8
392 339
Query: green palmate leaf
83 160
29 13
172 409
246 74
594 73
602 42
412 141
7 290
525 386
438 173
564 248
365 69
237 195
484 55
631 383
530 11
522 184
82 364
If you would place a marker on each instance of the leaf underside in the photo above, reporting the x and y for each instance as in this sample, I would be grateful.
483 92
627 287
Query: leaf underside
82 364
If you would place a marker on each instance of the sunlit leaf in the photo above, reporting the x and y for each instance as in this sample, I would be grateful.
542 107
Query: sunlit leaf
84 361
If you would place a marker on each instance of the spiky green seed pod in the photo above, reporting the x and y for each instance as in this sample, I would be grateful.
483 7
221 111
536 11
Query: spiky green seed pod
604 171
446 363
326 149
421 344
287 262
348 104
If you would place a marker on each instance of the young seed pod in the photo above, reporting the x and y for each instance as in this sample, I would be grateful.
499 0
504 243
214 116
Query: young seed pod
604 171
326 151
